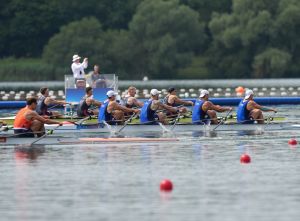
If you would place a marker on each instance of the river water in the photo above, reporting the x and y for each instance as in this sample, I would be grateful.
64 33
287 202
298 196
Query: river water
121 181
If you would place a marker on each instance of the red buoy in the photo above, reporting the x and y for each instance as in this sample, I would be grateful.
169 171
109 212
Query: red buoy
245 158
166 185
293 142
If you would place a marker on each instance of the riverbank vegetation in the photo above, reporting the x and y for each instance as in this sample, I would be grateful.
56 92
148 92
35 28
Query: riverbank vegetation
161 39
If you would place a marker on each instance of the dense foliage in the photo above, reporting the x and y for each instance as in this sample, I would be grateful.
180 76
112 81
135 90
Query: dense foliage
158 38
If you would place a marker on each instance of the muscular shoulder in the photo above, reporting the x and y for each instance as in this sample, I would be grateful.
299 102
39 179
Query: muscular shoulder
156 102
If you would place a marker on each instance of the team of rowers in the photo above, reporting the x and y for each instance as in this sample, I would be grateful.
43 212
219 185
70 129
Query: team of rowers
30 120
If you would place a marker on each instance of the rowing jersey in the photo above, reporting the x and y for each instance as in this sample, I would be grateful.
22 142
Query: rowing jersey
104 115
83 108
199 116
148 115
243 114
21 121
166 101
42 108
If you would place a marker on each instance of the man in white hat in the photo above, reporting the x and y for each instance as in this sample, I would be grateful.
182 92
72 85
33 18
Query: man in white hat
78 68
111 111
149 110
249 111
205 111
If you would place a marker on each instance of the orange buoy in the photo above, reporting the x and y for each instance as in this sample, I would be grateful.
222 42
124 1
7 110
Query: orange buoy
166 185
240 90
293 142
245 158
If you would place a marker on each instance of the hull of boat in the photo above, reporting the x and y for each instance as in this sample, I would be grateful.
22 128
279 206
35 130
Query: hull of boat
137 128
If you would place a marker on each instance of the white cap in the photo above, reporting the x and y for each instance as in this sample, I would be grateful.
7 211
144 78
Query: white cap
75 57
248 93
155 92
111 93
203 93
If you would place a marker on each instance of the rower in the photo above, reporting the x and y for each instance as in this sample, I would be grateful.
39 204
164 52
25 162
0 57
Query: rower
149 113
112 112
44 101
204 110
28 122
172 100
130 99
249 111
86 102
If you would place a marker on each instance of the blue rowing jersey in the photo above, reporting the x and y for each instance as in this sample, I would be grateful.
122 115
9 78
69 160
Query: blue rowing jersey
147 114
243 113
103 114
199 116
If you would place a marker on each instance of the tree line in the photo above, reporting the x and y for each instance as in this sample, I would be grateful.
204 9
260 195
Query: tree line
162 39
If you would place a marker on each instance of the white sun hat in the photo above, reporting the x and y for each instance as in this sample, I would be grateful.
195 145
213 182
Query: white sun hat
248 93
155 92
111 93
203 93
76 57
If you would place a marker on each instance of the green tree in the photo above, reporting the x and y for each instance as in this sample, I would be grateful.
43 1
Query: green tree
79 37
271 63
243 41
26 26
165 36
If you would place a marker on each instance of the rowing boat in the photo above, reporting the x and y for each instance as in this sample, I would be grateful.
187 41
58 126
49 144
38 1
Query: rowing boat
53 139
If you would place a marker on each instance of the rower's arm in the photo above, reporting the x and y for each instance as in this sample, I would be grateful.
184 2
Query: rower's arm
124 109
97 103
138 103
49 101
34 116
134 101
210 106
166 107
179 101
254 105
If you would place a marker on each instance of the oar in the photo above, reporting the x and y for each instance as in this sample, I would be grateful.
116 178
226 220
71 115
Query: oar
45 135
126 122
221 121
163 127
175 121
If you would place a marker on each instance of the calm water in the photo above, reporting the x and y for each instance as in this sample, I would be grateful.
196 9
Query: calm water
121 181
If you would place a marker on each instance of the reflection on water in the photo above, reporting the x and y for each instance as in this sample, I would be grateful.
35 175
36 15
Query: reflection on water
121 181
30 153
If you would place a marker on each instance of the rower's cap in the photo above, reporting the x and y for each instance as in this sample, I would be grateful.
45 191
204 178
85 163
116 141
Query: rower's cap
248 93
111 93
171 89
76 57
155 92
203 93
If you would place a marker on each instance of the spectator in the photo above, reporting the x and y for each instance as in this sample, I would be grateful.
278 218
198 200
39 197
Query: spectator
98 80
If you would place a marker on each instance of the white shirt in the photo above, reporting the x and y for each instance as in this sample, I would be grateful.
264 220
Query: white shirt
78 69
